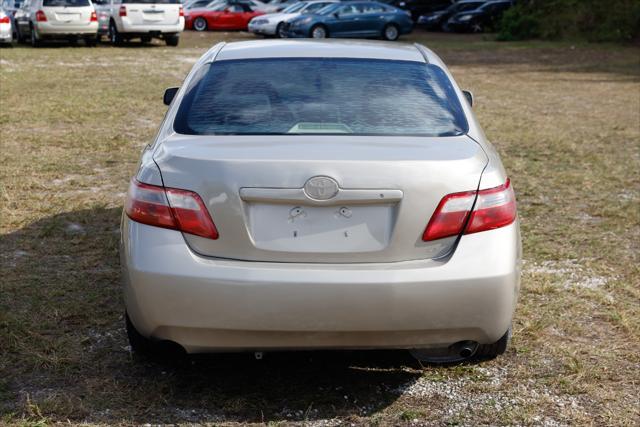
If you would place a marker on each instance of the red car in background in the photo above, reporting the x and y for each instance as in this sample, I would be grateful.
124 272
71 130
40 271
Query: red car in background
222 17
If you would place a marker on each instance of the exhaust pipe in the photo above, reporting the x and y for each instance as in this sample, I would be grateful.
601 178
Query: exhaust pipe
467 349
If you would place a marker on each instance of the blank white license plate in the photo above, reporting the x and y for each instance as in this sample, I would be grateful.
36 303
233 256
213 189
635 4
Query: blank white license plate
156 16
331 229
68 17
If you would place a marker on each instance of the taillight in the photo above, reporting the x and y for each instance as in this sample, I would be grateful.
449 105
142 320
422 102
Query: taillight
4 20
181 11
494 208
40 16
94 17
169 208
450 216
122 11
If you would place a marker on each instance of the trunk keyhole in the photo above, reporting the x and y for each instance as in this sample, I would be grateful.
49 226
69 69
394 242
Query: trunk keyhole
345 212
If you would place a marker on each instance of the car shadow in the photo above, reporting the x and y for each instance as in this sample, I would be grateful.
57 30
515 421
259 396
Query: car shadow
61 298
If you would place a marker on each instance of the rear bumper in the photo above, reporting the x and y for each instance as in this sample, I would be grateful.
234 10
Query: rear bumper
6 35
45 29
208 304
128 27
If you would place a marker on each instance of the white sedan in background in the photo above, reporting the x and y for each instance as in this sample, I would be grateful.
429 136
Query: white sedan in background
272 24
6 32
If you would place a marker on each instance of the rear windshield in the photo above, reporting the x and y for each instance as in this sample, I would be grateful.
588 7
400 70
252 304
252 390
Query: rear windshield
150 1
321 96
67 3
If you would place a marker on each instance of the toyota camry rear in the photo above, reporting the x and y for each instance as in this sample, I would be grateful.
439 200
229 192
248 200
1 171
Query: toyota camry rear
321 195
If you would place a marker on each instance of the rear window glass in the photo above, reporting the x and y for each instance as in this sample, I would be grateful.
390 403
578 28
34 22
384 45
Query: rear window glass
67 3
321 96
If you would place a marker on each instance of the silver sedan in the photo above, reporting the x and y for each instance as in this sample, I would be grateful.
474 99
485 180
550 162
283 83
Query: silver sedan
321 195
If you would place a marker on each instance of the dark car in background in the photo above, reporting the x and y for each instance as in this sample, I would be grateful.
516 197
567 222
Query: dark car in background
437 20
352 19
419 7
478 20
103 12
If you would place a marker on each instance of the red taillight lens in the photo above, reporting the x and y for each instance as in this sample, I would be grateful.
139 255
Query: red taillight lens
94 17
169 208
181 11
494 208
122 11
450 216
40 16
4 20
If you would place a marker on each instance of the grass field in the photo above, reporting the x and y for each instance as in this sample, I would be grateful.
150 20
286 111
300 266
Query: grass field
566 120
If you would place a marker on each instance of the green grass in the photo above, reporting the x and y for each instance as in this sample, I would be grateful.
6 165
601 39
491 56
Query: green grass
566 120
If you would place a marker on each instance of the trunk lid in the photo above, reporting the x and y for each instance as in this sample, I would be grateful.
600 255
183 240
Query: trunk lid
153 13
260 193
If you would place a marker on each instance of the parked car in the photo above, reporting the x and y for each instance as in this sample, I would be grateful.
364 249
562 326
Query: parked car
419 7
484 17
235 16
352 19
146 19
39 20
103 11
273 24
320 195
437 20
6 29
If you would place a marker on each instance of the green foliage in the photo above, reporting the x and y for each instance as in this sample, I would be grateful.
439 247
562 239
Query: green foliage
593 20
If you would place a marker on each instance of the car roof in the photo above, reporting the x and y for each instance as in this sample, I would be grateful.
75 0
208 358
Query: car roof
321 49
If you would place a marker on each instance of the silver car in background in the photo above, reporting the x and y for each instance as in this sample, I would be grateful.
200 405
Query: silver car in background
321 195
6 28
272 24
73 20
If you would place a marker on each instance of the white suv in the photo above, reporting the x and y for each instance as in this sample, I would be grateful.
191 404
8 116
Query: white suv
146 19
57 19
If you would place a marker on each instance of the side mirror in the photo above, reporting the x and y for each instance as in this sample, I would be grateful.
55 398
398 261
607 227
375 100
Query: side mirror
169 94
467 94
336 15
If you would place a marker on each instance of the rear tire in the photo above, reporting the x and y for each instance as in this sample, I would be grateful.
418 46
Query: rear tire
491 351
139 343
35 41
172 40
391 32
19 36
280 32
200 24
319 32
114 36
160 351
